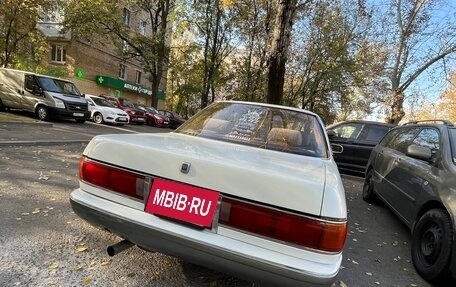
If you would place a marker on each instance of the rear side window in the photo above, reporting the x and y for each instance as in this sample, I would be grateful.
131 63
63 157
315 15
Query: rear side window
429 138
402 139
348 130
452 133
376 132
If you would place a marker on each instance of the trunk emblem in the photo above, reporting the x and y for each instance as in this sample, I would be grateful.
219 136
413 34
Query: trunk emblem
185 168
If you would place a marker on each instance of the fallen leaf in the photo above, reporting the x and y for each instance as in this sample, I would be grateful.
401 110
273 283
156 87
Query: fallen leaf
354 239
42 176
81 248
369 273
54 265
25 213
413 285
354 262
77 267
370 250
342 284
52 282
105 263
377 283
18 219
86 281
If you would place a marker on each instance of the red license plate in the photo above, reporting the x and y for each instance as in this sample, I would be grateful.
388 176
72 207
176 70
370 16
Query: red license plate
190 204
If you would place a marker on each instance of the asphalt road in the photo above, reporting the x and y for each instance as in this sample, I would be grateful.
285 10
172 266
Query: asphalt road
43 243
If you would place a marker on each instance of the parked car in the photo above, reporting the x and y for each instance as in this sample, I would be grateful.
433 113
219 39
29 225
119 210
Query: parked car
153 117
352 143
412 170
102 111
227 190
136 116
46 97
175 120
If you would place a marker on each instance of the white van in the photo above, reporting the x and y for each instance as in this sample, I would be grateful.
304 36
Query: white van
45 96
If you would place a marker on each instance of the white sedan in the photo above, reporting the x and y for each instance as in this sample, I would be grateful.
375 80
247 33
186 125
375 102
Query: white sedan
102 111
249 189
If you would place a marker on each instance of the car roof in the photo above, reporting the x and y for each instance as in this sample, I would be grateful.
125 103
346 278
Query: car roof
361 122
429 122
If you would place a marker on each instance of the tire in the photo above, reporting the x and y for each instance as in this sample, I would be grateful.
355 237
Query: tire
432 246
42 112
368 189
150 122
98 118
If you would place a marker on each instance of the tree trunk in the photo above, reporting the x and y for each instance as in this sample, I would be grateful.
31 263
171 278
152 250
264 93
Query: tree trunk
397 109
279 50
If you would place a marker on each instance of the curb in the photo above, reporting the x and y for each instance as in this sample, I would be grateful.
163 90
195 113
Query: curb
43 124
42 142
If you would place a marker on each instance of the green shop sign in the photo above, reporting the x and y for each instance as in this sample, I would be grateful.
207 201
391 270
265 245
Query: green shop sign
122 85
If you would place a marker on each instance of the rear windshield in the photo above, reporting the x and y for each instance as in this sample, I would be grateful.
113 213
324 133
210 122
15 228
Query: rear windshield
453 143
260 126
58 86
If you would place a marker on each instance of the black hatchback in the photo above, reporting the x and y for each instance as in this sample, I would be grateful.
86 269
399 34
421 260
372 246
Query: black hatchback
352 143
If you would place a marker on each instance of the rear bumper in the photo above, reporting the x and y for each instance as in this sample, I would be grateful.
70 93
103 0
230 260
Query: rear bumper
203 247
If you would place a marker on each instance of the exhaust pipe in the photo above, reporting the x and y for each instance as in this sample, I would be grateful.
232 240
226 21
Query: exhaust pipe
119 247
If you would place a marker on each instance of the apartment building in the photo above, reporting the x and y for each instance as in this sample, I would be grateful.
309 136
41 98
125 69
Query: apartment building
97 66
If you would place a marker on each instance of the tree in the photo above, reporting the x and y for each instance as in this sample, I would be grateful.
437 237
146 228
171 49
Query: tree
20 40
212 22
254 19
333 66
102 18
278 50
417 42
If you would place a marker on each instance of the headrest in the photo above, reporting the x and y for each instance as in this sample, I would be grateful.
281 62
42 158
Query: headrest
282 136
216 125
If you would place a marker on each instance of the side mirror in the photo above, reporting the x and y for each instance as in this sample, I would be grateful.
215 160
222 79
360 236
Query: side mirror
331 133
419 152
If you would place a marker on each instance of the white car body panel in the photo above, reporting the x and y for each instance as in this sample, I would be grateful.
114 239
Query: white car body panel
110 114
229 168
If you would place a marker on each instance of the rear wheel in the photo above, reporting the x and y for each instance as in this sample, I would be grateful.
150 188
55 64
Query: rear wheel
98 118
42 113
368 188
432 245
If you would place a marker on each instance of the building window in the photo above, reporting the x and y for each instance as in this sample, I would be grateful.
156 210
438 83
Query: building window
142 28
126 16
58 54
122 71
124 46
138 77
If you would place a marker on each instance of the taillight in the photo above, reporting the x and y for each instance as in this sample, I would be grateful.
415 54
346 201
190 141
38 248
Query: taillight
111 178
292 228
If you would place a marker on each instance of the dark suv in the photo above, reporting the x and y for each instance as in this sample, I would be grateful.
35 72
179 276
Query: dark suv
412 170
353 141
